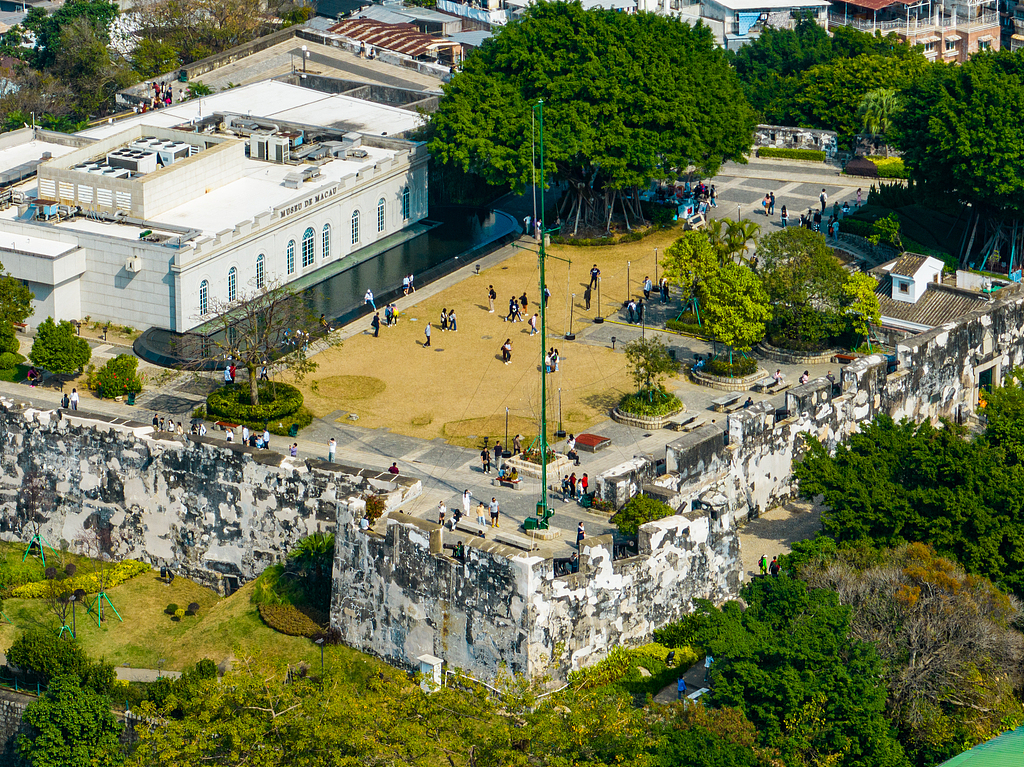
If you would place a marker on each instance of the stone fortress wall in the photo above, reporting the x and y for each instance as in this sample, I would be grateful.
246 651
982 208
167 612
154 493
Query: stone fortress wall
220 513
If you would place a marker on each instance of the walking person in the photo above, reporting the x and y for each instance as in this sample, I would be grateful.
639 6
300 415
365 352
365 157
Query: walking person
594 274
426 332
680 688
497 455
332 448
412 285
480 511
631 308
647 288
512 309
859 196
533 324
441 511
527 228
495 510
547 295
74 399
586 296
663 289
485 457
467 501
713 197
444 320
764 205
491 295
375 324
784 217
452 326
580 534
506 351
368 299
823 197
774 568
517 444
763 565
771 203
640 312
405 286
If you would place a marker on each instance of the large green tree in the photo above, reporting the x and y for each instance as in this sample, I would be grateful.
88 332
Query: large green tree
58 349
70 726
49 27
15 299
735 307
690 261
627 98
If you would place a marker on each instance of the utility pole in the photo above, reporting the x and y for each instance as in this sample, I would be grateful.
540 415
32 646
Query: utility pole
543 504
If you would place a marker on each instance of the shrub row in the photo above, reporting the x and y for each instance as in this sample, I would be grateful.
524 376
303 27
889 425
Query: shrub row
741 366
600 241
682 326
121 572
288 619
9 360
650 404
857 226
792 154
892 167
231 402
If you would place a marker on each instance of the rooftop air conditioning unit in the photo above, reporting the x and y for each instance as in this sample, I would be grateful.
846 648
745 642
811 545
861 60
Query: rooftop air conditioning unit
133 264
133 160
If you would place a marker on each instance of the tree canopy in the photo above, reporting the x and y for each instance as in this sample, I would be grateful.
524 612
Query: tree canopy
627 98
735 307
960 130
15 299
58 349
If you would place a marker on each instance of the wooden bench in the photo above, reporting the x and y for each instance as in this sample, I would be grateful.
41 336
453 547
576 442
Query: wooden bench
721 403
844 359
20 326
502 482
227 425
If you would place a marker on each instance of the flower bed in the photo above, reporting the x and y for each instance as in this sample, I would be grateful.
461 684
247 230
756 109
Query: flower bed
728 384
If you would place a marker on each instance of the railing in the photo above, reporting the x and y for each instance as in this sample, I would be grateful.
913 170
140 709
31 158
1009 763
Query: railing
916 25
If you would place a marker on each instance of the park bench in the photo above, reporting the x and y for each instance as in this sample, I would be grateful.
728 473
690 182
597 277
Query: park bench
737 405
227 425
510 483
20 326
684 423
843 359
721 403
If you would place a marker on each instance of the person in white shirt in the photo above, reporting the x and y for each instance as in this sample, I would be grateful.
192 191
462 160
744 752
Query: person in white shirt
368 298
74 399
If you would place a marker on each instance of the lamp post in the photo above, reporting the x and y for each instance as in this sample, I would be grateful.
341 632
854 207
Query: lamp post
570 336
320 641
655 266
560 434
598 319
305 55
628 294
505 452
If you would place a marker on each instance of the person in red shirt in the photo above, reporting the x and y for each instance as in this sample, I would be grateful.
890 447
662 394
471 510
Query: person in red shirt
393 469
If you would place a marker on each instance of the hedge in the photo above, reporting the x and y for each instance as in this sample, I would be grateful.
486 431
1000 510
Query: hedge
9 360
741 366
288 619
857 226
640 404
231 402
892 167
121 572
792 154
682 326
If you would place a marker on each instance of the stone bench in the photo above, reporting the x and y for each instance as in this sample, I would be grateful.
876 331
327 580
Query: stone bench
684 423
512 484
769 385
721 403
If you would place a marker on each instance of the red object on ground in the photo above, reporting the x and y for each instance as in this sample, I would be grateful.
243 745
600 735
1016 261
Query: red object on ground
592 442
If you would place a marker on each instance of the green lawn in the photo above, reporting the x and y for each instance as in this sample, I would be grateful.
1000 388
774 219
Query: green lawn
223 627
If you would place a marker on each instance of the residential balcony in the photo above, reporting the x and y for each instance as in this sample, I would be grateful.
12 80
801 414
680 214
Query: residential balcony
913 26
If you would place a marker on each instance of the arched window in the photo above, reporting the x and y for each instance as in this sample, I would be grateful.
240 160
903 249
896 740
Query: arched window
232 284
204 298
261 273
291 257
355 227
307 248
380 215
327 241
406 200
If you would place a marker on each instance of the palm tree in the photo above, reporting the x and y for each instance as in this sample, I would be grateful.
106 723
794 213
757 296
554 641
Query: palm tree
738 235
877 110
312 560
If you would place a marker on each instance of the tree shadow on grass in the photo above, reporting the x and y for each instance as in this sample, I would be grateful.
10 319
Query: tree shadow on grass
604 401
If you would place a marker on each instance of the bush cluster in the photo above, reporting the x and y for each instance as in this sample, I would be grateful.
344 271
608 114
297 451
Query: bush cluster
277 413
43 656
622 669
891 167
687 323
118 377
10 360
741 366
600 241
650 404
638 511
290 620
792 154
121 572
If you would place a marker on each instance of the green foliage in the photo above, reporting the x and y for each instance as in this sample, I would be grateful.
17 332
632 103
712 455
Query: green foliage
649 363
123 571
739 367
621 670
857 226
791 154
639 510
56 348
887 232
10 360
49 28
890 484
152 58
70 726
877 110
15 306
40 653
947 109
634 236
893 195
613 119
690 261
735 307
651 403
891 167
197 89
8 339
119 376
289 619
277 401
683 326
179 614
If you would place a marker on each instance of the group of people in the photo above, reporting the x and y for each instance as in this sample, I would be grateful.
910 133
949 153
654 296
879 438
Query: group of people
448 320
162 96
574 489
773 568
814 219
551 360
198 428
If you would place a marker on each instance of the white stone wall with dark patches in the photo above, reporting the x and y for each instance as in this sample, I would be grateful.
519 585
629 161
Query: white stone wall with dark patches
218 514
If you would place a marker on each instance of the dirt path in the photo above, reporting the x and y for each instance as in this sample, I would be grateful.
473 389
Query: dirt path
774 532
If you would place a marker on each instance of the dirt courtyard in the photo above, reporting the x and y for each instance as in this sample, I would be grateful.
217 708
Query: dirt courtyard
458 388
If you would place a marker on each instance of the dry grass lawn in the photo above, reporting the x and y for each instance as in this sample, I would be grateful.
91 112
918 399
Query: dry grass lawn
458 387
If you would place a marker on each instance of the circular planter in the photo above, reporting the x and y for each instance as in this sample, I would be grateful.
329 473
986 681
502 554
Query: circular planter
724 383
793 357
644 422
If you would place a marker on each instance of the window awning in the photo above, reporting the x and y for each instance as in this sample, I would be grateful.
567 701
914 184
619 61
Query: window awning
876 5
930 39
1017 37
954 38
984 38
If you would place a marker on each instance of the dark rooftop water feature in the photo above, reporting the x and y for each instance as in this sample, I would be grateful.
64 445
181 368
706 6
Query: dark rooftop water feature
456 236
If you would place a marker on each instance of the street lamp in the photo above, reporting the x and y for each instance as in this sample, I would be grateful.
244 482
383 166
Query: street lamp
598 319
305 55
570 336
320 641
655 266
628 294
